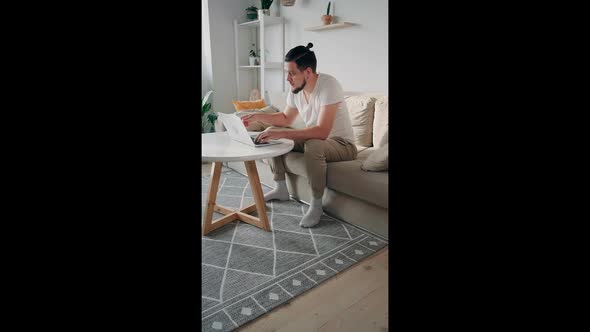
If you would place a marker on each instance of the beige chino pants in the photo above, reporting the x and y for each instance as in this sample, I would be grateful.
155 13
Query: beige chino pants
317 153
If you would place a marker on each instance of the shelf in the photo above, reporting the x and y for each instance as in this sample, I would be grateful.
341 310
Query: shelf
269 65
259 35
329 26
268 20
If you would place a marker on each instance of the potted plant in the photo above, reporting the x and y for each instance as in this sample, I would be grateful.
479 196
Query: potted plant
253 57
265 4
252 13
327 19
206 115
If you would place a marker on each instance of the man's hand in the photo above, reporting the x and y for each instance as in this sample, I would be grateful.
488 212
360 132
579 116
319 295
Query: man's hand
269 134
247 119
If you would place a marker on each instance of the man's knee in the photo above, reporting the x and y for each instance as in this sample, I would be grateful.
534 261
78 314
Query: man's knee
314 144
314 147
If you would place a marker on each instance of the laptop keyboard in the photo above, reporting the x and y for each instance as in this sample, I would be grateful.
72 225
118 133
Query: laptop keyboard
254 141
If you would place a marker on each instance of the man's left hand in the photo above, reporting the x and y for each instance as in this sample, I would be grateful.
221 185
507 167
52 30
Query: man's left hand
269 134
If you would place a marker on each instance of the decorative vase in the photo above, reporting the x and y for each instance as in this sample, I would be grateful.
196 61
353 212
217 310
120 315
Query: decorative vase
254 94
252 16
252 60
274 9
327 19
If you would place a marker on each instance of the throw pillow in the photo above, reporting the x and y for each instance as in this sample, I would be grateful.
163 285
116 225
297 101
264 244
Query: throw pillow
378 160
381 122
248 105
361 110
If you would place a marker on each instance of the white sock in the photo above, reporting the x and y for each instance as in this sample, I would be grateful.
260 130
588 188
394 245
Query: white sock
313 215
280 192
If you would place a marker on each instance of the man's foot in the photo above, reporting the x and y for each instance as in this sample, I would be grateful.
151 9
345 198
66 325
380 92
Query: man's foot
280 192
313 215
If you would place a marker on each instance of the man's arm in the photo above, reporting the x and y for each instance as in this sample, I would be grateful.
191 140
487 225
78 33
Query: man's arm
280 119
321 131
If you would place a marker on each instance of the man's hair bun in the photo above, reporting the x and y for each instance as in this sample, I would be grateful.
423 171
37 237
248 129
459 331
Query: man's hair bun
303 57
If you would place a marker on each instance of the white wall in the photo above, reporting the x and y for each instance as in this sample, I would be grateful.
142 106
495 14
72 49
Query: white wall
221 25
356 56
206 70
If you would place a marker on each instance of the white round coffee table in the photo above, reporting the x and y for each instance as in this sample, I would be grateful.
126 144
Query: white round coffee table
219 148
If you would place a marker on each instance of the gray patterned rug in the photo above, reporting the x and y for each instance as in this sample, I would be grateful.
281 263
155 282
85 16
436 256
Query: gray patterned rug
247 272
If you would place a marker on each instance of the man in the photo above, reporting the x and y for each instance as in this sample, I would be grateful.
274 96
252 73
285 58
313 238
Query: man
328 135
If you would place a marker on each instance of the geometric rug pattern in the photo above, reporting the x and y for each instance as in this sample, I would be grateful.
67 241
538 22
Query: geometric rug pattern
247 272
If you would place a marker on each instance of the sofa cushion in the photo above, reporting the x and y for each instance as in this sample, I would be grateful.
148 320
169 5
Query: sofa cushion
362 155
360 148
348 178
265 109
378 160
361 110
381 122
248 104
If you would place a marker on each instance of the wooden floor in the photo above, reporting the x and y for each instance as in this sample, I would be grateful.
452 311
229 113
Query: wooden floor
353 300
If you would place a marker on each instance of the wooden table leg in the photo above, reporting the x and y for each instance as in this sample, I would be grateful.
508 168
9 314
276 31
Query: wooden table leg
210 225
258 197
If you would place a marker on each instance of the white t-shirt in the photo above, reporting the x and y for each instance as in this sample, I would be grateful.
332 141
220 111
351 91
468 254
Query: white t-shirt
327 91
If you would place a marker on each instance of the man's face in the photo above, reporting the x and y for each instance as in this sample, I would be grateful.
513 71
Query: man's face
295 77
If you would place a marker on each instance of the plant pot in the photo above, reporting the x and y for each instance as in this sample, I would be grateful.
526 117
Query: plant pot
252 60
252 16
266 12
327 19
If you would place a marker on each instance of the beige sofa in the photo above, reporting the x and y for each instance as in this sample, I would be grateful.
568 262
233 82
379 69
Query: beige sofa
352 194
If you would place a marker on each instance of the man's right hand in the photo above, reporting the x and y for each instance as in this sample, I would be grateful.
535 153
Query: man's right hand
247 119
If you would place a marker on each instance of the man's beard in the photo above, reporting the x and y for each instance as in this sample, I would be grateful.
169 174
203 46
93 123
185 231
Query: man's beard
296 90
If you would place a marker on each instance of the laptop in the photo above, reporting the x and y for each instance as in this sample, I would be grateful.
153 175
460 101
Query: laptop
238 132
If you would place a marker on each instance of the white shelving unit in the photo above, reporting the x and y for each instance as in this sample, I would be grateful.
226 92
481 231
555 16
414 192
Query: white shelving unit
259 27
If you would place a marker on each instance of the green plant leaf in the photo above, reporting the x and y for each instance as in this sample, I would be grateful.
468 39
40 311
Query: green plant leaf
212 117
265 4
205 109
